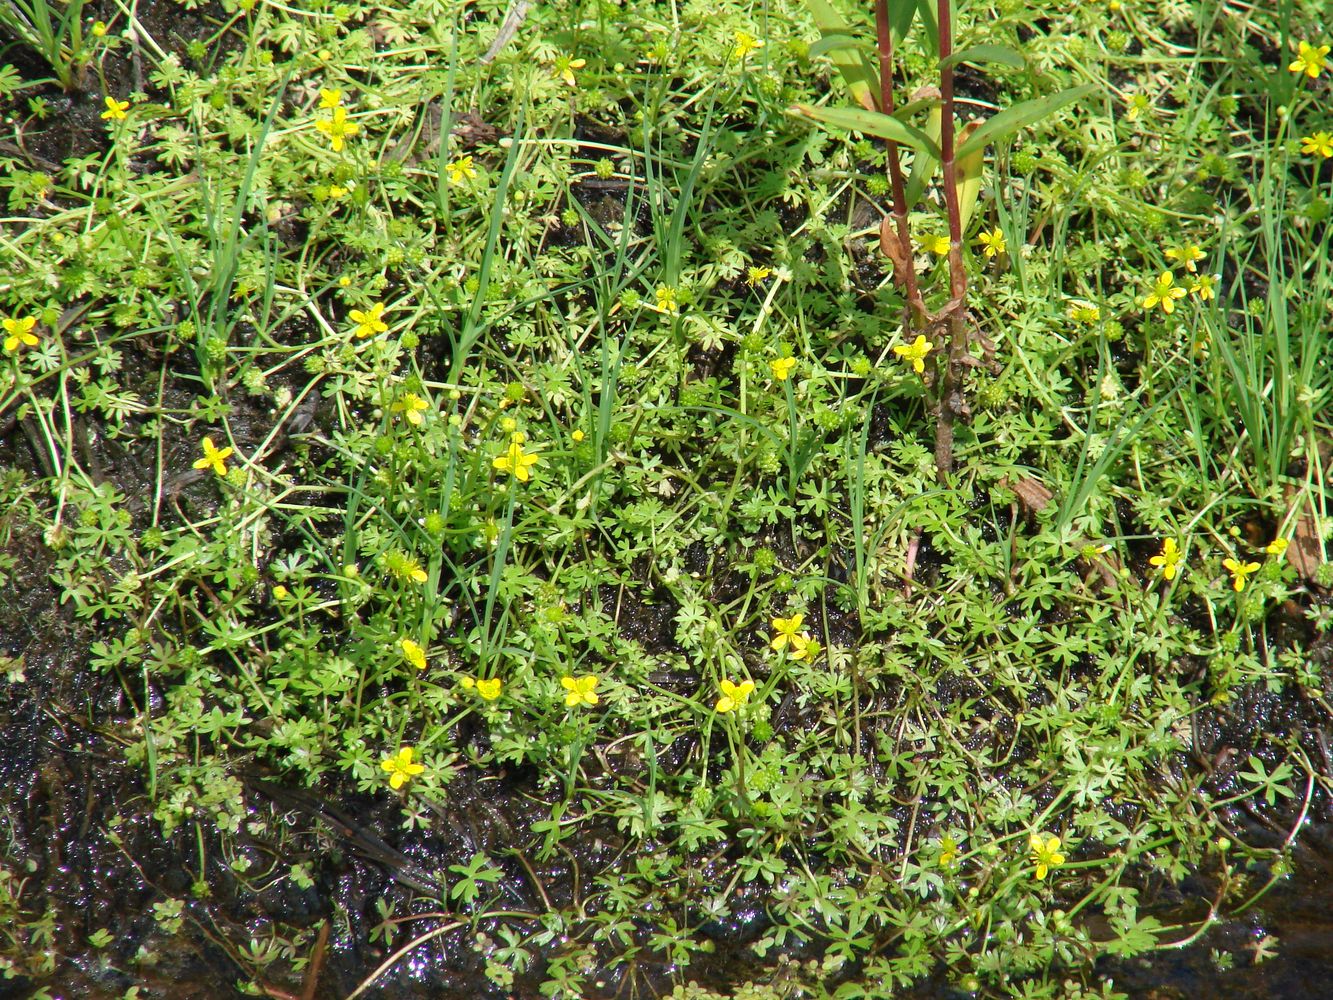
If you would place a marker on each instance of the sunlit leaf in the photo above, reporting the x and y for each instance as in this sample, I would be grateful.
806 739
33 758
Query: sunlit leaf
986 54
967 174
849 57
1019 116
925 164
870 123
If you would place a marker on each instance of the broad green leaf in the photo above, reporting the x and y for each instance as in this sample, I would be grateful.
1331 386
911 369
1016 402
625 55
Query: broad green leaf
1010 120
850 60
871 123
967 175
986 54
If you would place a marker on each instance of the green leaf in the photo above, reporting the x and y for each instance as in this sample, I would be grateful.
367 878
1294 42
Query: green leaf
925 164
930 21
986 54
901 13
1019 116
912 107
849 58
836 40
967 173
871 123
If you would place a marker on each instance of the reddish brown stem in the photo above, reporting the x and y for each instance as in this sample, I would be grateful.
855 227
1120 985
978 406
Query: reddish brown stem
950 394
903 269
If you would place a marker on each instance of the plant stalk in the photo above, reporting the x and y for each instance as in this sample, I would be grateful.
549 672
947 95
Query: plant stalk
951 403
903 270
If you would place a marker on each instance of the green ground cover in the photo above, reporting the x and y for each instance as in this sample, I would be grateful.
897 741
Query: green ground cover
404 414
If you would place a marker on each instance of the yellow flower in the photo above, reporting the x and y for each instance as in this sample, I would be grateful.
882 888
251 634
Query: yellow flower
1239 571
1309 60
461 169
1202 286
938 245
1168 559
948 852
329 99
115 110
1320 143
915 352
745 44
515 461
338 128
734 696
577 436
564 69
666 299
1084 312
755 275
489 688
411 406
786 629
371 322
337 191
18 332
1045 853
1276 547
404 567
789 635
803 647
781 368
99 29
1186 255
1165 292
413 653
281 593
1136 105
400 768
213 457
580 690
993 242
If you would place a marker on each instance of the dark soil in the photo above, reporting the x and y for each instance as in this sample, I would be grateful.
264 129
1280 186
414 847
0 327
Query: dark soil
77 825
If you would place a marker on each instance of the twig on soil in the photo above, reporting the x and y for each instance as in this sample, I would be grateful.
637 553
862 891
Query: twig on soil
392 960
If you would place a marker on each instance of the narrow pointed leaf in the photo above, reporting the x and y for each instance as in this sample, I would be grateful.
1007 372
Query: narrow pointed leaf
901 13
835 40
930 21
1020 116
967 173
986 54
925 165
871 123
905 111
850 59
